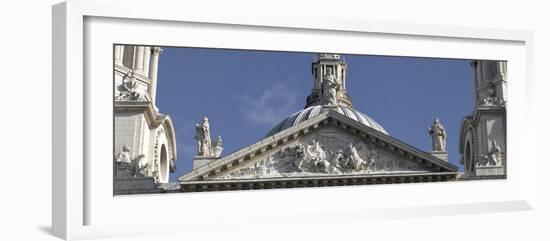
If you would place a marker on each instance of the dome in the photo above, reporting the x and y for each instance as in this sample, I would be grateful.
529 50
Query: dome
315 110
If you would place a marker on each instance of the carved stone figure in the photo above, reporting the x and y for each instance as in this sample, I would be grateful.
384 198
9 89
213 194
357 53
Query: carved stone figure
142 167
202 136
326 152
496 154
314 159
217 147
491 98
494 158
331 88
439 136
295 155
124 155
128 167
337 158
353 162
128 88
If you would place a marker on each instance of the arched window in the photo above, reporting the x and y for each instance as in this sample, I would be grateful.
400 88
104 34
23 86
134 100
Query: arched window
163 163
468 157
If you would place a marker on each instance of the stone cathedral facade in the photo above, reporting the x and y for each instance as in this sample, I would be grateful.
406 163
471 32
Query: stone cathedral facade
144 141
328 143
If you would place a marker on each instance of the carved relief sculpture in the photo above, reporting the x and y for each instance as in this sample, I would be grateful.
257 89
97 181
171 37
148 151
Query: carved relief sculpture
325 153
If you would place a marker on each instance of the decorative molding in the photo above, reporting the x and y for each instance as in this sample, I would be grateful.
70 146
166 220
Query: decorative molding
313 181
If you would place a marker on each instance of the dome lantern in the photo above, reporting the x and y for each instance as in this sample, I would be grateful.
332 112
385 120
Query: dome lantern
328 67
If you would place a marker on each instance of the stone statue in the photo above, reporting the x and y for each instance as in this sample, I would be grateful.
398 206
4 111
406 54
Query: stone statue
331 88
217 147
141 167
439 136
125 155
128 167
202 136
491 98
128 88
495 155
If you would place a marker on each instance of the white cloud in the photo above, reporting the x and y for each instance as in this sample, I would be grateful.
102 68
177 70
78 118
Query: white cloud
270 106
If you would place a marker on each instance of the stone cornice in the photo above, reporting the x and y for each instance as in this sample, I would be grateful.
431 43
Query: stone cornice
316 181
497 109
153 118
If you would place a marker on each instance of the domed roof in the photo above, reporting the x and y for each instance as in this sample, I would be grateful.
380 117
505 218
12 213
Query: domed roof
315 110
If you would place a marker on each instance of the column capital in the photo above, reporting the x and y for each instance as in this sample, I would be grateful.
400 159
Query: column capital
156 50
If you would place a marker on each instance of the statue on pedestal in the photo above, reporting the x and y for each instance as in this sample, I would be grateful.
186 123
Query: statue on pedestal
128 88
202 136
494 158
439 136
331 88
217 148
128 167
125 155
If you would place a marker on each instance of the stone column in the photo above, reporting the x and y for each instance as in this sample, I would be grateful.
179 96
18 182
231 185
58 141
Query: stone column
153 70
138 61
146 59
344 70
500 69
119 49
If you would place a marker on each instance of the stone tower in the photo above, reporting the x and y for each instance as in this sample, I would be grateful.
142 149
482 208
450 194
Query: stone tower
145 142
323 65
483 133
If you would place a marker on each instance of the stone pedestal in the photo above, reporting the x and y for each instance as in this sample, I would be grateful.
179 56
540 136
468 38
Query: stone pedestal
489 170
136 183
443 155
199 161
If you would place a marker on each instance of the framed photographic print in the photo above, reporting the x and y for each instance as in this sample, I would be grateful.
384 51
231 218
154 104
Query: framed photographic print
322 141
191 122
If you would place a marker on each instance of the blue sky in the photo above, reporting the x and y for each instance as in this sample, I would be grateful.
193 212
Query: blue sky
245 93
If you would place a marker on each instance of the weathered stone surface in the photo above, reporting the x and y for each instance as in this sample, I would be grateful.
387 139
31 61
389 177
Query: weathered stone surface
140 183
489 170
443 155
483 133
148 134
328 151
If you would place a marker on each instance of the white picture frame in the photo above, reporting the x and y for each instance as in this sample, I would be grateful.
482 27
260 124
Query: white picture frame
83 208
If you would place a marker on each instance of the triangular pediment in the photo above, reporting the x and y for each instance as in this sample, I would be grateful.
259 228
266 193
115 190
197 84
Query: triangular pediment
330 144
